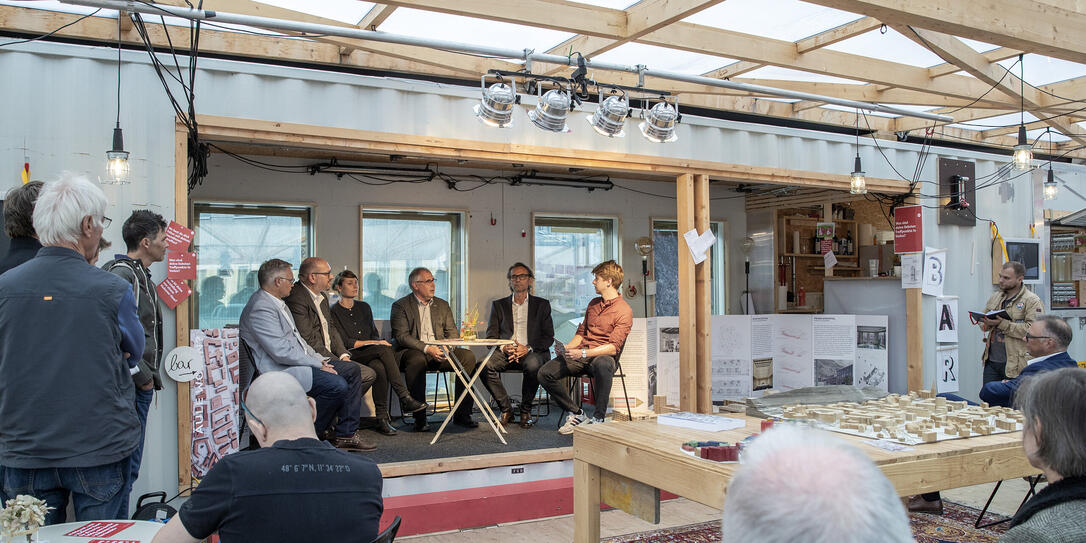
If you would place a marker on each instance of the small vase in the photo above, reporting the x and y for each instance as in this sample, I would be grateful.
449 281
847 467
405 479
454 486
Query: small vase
23 536
468 334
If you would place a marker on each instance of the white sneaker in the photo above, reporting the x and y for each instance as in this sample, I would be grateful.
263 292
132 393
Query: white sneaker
573 421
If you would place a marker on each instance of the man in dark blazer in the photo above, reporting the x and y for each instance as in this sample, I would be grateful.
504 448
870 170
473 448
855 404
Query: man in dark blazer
525 319
313 319
411 332
19 225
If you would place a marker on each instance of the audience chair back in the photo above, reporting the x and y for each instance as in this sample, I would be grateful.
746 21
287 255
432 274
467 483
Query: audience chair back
389 534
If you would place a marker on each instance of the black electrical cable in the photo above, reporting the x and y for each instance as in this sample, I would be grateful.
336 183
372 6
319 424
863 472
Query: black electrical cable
54 31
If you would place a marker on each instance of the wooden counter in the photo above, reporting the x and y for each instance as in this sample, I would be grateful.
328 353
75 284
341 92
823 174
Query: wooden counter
640 458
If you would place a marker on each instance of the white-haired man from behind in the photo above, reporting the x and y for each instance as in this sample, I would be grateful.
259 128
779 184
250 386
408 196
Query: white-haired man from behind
801 484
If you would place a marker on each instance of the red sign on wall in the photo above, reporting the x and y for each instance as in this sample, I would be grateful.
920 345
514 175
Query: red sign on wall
908 229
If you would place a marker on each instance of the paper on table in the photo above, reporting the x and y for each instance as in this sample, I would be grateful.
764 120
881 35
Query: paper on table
699 245
830 259
911 270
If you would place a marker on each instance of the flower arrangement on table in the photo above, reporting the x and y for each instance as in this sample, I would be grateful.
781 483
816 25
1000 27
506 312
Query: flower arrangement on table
22 516
469 323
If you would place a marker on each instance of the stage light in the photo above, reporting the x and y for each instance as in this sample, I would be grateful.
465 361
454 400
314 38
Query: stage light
496 106
551 111
610 117
659 123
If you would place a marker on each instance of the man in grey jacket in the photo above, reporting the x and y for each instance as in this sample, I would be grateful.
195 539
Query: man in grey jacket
144 235
67 421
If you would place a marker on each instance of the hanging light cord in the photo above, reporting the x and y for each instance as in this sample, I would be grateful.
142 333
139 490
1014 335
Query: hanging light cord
119 69
1022 88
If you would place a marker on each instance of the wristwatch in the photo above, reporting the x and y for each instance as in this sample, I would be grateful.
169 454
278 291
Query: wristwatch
584 353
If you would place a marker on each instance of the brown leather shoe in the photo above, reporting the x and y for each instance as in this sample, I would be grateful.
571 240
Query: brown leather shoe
526 420
506 417
354 442
917 504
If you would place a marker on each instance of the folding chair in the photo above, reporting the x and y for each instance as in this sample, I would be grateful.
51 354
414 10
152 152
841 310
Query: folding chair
1033 480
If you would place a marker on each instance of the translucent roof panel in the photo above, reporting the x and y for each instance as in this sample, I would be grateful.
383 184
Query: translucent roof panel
1042 70
891 46
978 46
347 11
1001 121
788 20
1039 139
788 74
661 58
613 4
440 26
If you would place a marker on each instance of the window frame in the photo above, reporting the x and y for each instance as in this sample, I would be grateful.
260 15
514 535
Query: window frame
307 211
720 293
456 302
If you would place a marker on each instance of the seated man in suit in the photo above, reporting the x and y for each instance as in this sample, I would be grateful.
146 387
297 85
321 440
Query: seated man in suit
267 327
416 319
1046 341
594 350
525 319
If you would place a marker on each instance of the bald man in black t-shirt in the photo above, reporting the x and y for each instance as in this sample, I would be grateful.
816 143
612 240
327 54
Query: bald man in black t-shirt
297 488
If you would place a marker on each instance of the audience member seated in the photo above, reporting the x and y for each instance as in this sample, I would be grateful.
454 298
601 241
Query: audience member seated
19 225
1046 341
800 484
353 321
594 350
420 318
267 327
1054 437
525 319
295 488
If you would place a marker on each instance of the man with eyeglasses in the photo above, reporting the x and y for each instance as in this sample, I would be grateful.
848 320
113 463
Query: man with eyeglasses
313 319
70 338
1046 341
267 328
420 318
294 488
526 319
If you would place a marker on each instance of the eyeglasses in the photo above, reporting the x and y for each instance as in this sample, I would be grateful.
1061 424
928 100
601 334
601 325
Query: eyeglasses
426 282
1031 336
329 272
256 419
520 276
288 279
106 221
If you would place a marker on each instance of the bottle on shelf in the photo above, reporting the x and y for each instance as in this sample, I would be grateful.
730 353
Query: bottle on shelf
849 248
801 299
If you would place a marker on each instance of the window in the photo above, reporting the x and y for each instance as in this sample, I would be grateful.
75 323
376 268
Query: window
395 242
232 241
566 249
665 267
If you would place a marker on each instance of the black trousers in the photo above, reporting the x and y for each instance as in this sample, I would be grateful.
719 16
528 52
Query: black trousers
382 361
529 364
994 371
601 368
415 364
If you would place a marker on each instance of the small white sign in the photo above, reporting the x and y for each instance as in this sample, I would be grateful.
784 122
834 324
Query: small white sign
183 364
912 267
830 260
946 368
935 271
946 320
699 245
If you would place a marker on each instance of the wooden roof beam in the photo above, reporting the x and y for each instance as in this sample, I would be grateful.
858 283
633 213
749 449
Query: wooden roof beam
838 34
1028 25
378 14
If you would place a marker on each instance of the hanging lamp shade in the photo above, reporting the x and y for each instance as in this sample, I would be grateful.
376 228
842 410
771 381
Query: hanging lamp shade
659 123
610 118
496 106
551 112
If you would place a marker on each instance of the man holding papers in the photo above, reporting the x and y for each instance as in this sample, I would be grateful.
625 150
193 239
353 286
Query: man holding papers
594 350
1005 350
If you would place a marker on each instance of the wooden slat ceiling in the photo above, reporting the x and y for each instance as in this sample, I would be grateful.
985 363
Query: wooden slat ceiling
969 86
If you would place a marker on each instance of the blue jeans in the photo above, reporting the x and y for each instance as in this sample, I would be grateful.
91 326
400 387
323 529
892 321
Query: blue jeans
143 405
96 491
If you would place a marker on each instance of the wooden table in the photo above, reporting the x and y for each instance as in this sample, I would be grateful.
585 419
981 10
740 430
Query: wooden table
627 464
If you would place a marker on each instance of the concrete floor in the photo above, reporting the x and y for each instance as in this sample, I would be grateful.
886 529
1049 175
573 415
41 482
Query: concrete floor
681 512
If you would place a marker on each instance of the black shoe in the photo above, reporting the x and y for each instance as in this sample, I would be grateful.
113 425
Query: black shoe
354 442
411 405
526 420
421 425
466 422
383 427
506 417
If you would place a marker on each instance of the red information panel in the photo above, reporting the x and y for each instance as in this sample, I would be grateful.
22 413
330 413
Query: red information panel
99 529
173 292
908 229
177 236
114 541
181 265
826 245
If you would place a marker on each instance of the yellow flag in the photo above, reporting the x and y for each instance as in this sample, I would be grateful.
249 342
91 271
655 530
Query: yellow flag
26 172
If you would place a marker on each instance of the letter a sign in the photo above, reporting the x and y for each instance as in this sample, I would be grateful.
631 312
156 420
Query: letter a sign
946 320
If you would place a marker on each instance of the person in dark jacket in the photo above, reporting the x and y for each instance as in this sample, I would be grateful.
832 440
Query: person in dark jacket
1053 407
19 225
67 421
144 236
1046 341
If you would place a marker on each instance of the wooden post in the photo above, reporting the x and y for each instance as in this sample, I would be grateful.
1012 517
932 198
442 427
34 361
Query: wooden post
586 502
184 405
703 287
914 332
688 385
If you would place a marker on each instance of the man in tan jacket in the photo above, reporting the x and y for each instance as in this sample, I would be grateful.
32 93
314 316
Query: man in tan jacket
1005 350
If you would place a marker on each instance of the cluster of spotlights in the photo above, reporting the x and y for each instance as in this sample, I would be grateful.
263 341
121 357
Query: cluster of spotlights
552 111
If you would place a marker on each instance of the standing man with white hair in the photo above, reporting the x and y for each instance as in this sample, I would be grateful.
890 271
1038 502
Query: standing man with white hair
68 423
801 484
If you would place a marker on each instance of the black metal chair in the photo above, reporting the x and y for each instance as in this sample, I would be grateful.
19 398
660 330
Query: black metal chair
389 534
247 373
1033 480
575 379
